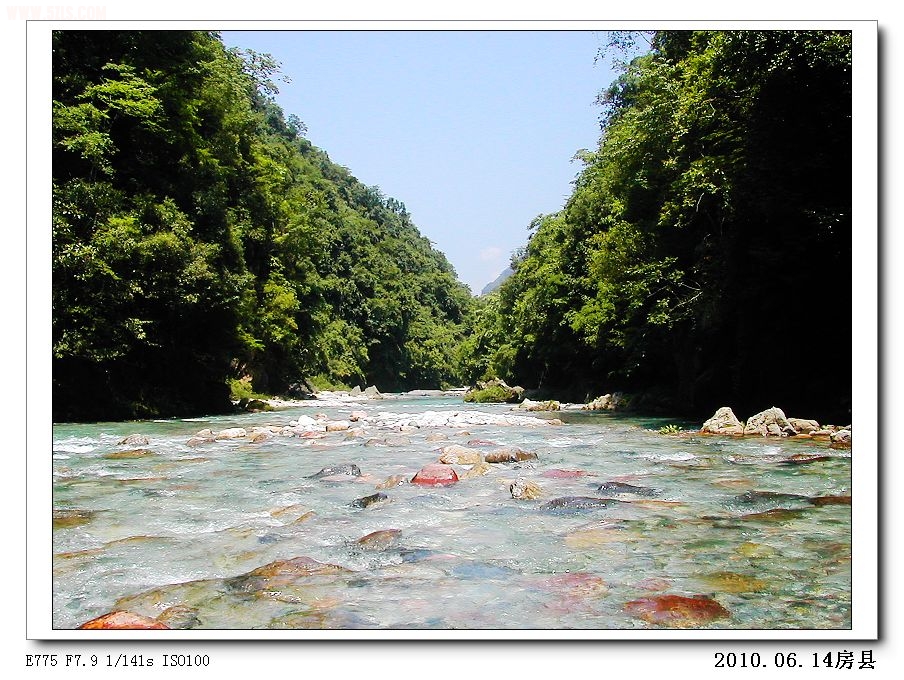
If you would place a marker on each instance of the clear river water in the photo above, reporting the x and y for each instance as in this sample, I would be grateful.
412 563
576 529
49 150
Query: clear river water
253 533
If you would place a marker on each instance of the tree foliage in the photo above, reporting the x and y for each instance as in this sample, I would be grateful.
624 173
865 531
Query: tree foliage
198 237
706 246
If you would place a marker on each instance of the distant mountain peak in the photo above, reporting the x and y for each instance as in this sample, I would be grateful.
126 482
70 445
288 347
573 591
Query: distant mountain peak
498 281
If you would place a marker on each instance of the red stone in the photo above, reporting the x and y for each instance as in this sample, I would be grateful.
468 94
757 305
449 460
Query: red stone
677 610
435 474
122 620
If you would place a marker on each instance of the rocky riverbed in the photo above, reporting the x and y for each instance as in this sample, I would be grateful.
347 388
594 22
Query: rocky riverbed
412 511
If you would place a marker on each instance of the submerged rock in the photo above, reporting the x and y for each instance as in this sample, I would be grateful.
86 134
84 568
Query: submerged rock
724 421
509 454
477 470
830 500
367 501
66 519
131 453
619 488
677 611
460 455
563 474
349 469
180 617
232 433
393 481
281 573
123 620
579 503
804 458
525 490
730 582
435 474
135 440
379 540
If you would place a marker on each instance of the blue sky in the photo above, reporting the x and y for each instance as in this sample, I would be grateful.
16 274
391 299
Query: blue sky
474 131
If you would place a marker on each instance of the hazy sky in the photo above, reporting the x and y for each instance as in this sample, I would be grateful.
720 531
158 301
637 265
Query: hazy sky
474 131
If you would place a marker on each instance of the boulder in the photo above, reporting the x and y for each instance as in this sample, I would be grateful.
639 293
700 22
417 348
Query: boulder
123 620
803 426
258 405
460 455
435 474
338 426
841 438
530 405
724 421
606 402
494 391
372 392
769 423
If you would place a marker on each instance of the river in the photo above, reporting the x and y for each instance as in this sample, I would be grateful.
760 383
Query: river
252 533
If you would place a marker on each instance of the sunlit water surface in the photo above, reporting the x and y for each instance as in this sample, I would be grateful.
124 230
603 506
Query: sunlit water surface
179 525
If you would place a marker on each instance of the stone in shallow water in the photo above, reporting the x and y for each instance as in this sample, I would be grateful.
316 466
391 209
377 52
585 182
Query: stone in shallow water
619 488
578 584
66 519
367 501
509 454
180 617
394 480
123 620
477 470
676 611
830 500
579 503
435 474
379 540
460 455
135 440
131 453
775 515
730 582
563 474
525 490
349 469
756 550
804 459
281 573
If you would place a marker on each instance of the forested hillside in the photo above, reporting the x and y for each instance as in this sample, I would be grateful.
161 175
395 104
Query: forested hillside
198 238
704 257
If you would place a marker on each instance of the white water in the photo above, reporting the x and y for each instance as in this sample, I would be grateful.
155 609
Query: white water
172 526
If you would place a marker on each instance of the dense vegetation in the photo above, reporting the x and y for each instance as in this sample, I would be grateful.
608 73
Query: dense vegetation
703 258
199 238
